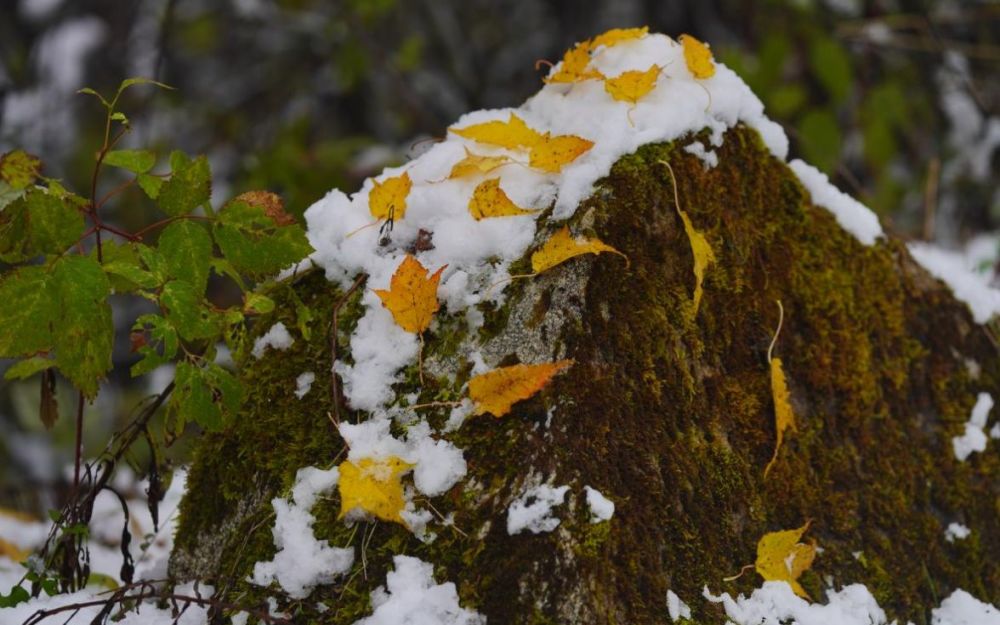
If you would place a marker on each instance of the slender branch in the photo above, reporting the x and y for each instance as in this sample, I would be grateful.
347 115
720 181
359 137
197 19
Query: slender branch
110 194
79 442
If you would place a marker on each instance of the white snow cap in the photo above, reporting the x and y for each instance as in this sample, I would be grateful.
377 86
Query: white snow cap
411 597
951 267
533 509
275 338
601 508
851 214
961 608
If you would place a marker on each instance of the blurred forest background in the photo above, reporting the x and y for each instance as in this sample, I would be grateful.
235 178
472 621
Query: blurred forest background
895 99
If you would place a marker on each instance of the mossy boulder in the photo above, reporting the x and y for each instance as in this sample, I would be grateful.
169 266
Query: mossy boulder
668 411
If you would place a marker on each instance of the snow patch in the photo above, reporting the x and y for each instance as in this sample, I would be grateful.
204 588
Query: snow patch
961 608
965 283
974 437
275 338
533 509
774 602
956 531
601 508
851 214
676 608
708 157
303 383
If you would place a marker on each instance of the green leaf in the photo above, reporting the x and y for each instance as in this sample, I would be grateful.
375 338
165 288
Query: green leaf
84 333
8 194
209 396
186 248
821 139
154 261
130 82
254 244
28 309
27 368
19 169
38 223
161 332
89 91
135 161
136 276
16 596
832 66
119 117
150 185
255 302
185 308
189 187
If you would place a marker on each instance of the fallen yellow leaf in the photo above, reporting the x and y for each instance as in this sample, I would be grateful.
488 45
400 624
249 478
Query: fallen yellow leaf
618 35
489 200
703 255
562 246
698 57
784 418
551 153
474 164
781 557
575 66
412 295
387 199
511 134
373 486
498 390
631 86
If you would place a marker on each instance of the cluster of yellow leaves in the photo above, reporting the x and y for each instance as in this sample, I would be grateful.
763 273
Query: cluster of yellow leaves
498 390
477 164
489 200
781 557
631 86
545 152
412 295
698 57
373 486
563 246
575 65
388 198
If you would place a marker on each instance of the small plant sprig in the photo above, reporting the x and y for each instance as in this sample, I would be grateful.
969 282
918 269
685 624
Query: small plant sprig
64 263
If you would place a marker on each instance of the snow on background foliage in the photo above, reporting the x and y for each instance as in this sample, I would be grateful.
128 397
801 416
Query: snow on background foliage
478 255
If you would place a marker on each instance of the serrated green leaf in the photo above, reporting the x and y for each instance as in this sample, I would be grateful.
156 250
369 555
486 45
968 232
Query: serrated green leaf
209 396
19 169
135 161
38 223
223 267
29 367
161 332
254 244
150 185
136 276
255 302
186 248
84 333
27 311
8 194
154 261
186 309
189 186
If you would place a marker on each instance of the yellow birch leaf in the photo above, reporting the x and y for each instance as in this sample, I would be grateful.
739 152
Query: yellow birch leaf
476 164
703 255
575 66
412 295
498 390
489 200
698 57
784 418
388 198
781 557
631 86
562 246
617 35
373 486
511 134
551 153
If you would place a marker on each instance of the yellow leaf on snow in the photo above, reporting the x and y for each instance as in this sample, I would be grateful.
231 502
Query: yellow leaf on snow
373 486
575 66
631 86
489 200
698 57
498 390
388 198
412 295
781 557
618 35
562 246
511 134
703 255
551 153
784 418
477 164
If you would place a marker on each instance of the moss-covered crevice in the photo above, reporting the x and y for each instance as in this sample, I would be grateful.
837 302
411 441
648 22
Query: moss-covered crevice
666 411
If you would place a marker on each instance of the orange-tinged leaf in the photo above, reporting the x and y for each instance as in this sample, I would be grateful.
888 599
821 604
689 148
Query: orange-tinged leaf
618 35
474 164
373 486
498 390
551 153
489 200
412 295
698 57
703 255
511 134
781 557
784 418
388 198
575 66
563 246
631 86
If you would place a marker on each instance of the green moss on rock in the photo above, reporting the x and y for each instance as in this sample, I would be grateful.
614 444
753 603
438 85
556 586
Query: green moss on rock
667 412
